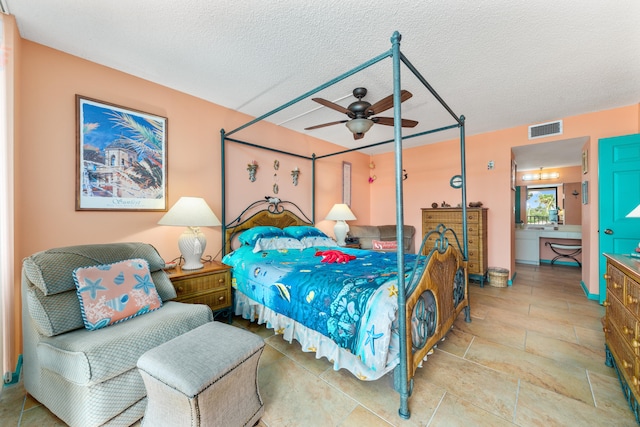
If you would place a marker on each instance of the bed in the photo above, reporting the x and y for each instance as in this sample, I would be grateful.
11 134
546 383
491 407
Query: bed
367 320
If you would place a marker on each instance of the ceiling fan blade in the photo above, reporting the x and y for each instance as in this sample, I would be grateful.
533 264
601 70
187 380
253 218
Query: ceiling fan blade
386 103
388 121
326 124
333 106
358 136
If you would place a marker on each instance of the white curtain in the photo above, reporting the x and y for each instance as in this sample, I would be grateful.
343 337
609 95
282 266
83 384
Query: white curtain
7 294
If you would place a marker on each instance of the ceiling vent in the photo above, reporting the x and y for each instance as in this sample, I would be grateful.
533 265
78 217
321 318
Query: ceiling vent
545 129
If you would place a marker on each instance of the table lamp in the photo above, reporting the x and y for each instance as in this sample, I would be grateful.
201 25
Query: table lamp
191 212
340 213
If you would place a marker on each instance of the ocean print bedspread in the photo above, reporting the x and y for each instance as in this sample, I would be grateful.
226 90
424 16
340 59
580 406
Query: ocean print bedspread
354 303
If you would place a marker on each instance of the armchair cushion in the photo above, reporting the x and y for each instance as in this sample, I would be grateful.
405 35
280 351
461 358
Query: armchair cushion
386 233
112 293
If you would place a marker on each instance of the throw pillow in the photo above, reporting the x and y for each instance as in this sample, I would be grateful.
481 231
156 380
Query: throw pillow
112 293
383 245
271 243
250 237
300 231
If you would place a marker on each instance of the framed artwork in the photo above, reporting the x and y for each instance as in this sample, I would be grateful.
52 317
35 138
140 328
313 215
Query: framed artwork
346 183
585 162
585 192
121 158
514 168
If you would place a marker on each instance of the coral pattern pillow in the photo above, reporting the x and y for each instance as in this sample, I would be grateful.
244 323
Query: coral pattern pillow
112 293
383 245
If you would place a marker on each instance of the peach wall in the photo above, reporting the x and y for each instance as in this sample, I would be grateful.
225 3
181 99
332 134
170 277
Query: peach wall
45 158
430 167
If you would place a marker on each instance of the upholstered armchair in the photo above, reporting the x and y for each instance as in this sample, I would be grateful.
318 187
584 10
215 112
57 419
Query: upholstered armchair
89 377
369 234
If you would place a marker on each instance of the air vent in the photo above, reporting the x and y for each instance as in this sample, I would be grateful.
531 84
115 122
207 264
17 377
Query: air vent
545 129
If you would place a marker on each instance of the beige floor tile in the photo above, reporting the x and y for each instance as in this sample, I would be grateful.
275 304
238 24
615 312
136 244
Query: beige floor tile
456 412
548 327
590 338
499 330
361 417
566 317
486 388
538 406
607 394
293 396
562 378
39 416
568 353
380 397
456 342
294 351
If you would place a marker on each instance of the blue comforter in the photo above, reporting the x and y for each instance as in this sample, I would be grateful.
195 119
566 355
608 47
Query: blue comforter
353 303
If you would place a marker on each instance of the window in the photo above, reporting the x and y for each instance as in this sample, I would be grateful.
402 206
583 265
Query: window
542 205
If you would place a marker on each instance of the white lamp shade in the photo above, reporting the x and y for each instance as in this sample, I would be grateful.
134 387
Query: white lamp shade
190 212
340 211
634 213
359 125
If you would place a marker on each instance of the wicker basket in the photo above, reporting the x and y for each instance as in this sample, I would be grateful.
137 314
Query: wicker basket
498 277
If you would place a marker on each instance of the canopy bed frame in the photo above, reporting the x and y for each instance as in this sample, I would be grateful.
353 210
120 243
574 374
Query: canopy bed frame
445 276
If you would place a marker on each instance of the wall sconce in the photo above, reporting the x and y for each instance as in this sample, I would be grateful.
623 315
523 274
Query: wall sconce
294 175
252 167
575 194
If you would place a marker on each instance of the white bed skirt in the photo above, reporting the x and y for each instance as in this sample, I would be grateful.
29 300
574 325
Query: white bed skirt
312 341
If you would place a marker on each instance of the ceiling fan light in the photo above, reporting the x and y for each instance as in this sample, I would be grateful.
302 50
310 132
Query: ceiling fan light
359 125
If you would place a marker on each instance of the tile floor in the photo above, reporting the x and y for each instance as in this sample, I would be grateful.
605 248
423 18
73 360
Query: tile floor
533 355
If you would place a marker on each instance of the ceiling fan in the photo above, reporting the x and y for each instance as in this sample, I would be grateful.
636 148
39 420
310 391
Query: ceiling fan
360 112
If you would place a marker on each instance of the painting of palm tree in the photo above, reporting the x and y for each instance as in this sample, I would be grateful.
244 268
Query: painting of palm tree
122 158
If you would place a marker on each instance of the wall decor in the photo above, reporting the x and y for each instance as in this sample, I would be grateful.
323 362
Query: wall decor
346 183
514 171
585 161
294 176
252 168
585 192
121 158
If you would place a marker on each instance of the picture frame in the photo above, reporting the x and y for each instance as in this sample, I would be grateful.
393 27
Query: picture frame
585 192
514 169
346 183
585 162
121 158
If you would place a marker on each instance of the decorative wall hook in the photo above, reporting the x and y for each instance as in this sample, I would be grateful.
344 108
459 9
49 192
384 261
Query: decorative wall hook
252 167
294 175
405 175
372 178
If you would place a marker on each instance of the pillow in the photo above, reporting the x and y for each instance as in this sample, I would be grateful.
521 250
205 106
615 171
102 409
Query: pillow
300 231
250 237
113 293
270 243
313 241
384 244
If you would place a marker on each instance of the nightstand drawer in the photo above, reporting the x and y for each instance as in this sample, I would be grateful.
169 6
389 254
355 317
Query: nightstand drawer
216 300
193 285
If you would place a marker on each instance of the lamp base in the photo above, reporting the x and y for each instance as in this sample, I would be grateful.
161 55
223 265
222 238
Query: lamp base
340 230
192 243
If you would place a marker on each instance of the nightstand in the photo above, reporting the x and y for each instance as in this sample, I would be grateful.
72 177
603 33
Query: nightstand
210 285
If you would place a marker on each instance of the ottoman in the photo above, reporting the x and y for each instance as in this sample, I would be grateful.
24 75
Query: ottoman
205 377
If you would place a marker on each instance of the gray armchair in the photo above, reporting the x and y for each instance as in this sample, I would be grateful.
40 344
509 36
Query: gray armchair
85 377
367 233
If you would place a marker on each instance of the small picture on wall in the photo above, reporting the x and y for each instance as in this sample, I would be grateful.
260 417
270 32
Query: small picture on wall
121 158
514 169
585 161
585 192
346 183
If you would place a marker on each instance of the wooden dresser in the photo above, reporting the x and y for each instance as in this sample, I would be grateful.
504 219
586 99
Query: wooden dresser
622 323
210 285
476 237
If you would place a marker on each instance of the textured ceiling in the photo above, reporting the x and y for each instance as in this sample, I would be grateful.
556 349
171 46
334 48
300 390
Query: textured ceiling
501 63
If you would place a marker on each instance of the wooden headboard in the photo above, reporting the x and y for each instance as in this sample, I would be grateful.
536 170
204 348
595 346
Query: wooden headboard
275 214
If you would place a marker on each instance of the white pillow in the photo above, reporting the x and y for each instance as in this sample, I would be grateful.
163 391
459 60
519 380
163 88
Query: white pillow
313 241
271 243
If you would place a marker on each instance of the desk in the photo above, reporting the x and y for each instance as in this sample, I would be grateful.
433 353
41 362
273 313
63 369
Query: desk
528 241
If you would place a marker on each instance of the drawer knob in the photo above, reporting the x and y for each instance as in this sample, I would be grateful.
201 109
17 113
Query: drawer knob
635 343
221 298
606 276
616 285
634 380
606 303
221 281
180 289
626 330
626 364
632 299
606 330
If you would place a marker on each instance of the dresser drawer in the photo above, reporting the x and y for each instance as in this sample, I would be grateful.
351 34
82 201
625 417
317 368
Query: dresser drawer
194 285
627 360
216 300
615 281
618 317
632 296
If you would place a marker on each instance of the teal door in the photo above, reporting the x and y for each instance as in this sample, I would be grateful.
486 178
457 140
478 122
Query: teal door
619 184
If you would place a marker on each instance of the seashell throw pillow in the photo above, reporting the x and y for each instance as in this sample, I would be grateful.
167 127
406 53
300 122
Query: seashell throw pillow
113 293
